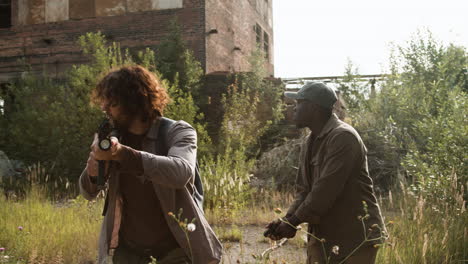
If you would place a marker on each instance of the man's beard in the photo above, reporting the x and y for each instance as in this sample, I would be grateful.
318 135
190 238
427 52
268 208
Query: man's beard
121 122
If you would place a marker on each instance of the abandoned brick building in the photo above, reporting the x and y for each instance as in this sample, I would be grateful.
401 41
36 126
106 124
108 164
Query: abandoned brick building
221 33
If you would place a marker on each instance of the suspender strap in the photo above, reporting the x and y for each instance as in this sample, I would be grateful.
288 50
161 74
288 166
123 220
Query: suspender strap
161 140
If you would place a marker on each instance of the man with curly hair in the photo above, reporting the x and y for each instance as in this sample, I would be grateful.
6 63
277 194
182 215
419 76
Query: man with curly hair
150 172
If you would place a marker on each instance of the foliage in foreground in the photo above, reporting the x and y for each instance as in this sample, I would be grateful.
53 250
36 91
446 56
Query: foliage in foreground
35 230
424 232
40 231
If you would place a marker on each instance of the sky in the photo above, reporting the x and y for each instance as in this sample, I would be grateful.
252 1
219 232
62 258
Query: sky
315 38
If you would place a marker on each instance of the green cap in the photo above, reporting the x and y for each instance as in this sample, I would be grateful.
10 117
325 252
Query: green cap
315 92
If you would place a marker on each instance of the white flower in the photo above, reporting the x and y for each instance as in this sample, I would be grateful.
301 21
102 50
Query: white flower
191 227
336 250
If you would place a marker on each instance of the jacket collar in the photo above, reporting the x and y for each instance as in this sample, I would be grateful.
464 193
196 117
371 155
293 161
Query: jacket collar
332 123
153 131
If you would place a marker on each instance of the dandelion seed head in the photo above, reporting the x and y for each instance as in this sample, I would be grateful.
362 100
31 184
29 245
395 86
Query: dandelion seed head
191 227
336 250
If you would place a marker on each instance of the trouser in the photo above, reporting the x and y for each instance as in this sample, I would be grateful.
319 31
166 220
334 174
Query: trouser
124 255
364 255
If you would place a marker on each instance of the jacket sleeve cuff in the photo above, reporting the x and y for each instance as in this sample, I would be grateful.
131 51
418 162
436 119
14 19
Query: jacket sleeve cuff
293 220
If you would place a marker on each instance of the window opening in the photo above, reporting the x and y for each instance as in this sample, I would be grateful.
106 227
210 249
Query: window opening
266 46
5 13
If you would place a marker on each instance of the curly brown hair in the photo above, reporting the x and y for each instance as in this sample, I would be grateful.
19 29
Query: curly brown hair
135 89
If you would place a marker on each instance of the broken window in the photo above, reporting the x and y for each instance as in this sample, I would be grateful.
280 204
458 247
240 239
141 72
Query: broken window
266 46
5 97
258 33
5 13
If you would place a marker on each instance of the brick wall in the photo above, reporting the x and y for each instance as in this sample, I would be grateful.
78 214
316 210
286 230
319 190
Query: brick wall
53 46
230 36
220 32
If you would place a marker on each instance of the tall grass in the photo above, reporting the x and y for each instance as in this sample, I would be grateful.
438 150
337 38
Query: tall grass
423 231
256 210
36 230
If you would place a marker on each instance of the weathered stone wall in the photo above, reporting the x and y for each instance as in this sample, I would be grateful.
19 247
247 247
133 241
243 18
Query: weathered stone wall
231 37
45 11
53 46
220 32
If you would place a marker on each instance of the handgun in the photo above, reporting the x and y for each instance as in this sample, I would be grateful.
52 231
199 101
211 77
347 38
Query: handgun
105 131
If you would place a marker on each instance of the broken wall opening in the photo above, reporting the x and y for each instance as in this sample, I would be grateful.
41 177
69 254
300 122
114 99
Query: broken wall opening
5 13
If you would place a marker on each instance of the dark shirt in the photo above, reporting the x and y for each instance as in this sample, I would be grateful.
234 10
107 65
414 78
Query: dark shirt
143 224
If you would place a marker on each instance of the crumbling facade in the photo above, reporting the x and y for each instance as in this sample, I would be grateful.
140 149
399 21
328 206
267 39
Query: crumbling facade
44 33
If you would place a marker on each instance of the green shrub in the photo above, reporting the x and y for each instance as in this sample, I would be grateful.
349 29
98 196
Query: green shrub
49 123
415 125
177 64
245 120
265 107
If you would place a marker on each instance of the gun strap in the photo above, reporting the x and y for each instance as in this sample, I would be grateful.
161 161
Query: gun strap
106 201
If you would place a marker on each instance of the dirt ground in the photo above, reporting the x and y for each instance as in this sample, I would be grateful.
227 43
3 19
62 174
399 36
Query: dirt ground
293 251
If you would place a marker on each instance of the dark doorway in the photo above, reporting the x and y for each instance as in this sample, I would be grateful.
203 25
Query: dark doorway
5 13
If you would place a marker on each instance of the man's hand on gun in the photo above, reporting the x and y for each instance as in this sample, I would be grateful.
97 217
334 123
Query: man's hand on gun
97 153
111 154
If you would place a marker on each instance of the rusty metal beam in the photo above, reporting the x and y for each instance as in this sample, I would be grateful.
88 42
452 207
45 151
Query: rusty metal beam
377 77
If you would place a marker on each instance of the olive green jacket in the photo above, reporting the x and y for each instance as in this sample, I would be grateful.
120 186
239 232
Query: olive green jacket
173 182
331 185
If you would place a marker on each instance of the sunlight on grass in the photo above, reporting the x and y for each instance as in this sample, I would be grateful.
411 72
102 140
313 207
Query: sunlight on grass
258 210
424 232
35 229
229 233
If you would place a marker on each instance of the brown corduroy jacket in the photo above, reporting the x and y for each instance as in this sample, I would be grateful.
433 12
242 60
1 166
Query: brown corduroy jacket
173 181
331 185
